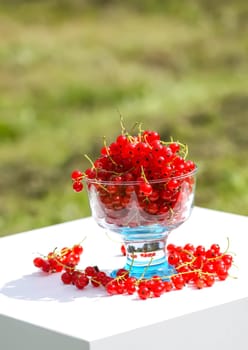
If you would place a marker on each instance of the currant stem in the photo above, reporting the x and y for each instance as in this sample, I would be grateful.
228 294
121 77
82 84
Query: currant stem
183 146
225 252
107 150
113 240
145 269
91 162
188 262
123 129
130 268
143 175
145 140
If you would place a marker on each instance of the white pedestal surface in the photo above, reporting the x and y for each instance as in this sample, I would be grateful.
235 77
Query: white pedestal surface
37 311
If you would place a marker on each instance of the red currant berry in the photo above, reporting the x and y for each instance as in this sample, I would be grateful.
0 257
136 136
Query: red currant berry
168 286
174 146
81 281
77 186
222 275
173 258
95 282
111 287
228 259
172 184
76 175
216 248
209 280
200 251
131 289
178 281
199 282
123 250
90 271
46 267
145 189
189 248
150 136
77 249
38 262
66 278
122 273
143 292
171 247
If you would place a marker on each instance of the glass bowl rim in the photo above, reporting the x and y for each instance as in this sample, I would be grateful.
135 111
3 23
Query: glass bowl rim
137 182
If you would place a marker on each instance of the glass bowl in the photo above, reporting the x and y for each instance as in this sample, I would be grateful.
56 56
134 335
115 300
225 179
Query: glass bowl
143 220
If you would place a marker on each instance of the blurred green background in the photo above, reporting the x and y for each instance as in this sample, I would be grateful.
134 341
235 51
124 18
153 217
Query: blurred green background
69 67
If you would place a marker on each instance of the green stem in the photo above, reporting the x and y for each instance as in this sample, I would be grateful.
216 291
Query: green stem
91 162
145 269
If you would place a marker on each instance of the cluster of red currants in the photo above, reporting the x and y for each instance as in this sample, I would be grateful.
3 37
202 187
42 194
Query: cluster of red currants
91 274
198 266
195 266
56 261
141 168
143 158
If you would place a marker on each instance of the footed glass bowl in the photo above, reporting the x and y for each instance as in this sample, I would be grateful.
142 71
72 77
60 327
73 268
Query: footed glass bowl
143 220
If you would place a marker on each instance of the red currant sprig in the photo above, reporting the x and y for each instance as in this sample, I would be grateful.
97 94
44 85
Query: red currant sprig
81 278
56 261
199 266
77 177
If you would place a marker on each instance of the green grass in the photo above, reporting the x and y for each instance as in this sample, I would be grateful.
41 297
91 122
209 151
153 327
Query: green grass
65 75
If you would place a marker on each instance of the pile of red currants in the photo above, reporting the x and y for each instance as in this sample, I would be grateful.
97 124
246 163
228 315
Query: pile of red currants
140 171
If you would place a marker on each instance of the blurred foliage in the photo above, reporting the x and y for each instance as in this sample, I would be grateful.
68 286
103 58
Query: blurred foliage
69 68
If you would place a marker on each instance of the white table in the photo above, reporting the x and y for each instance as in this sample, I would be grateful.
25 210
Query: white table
39 312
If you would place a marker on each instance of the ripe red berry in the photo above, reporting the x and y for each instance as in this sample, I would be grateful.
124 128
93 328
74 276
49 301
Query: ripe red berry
123 250
178 281
145 189
122 273
171 247
143 292
174 146
38 262
209 280
216 248
66 278
173 258
111 287
76 175
46 267
90 271
172 184
189 248
131 289
168 286
228 259
77 249
222 275
150 136
81 281
77 186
